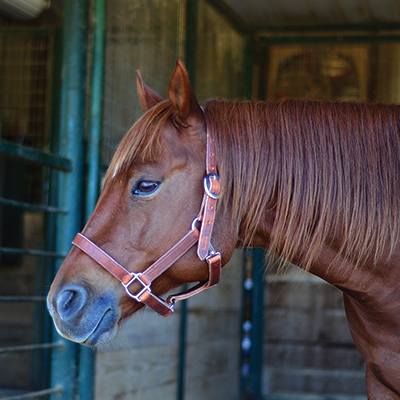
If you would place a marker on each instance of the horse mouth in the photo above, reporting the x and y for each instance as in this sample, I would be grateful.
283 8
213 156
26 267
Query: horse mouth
104 330
90 325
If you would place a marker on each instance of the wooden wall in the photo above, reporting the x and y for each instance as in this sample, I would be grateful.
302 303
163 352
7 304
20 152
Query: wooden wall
141 363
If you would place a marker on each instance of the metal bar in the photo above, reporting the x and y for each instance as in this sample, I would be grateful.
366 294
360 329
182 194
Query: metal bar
38 156
252 325
27 31
182 349
87 355
32 207
96 106
39 393
330 39
33 299
256 362
26 252
71 135
30 347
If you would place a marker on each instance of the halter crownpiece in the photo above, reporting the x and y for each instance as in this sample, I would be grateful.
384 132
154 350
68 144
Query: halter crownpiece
205 250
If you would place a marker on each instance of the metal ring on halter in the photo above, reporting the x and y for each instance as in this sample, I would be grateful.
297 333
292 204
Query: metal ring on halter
207 184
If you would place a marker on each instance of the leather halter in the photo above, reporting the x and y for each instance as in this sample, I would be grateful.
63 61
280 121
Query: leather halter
205 251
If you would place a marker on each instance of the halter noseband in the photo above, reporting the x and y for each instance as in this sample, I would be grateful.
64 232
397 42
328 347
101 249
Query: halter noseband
205 250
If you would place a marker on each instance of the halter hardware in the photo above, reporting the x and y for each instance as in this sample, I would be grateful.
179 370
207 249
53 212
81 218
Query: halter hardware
205 250
211 184
136 277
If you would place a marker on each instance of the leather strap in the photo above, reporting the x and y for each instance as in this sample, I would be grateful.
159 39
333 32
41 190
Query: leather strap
212 189
145 278
102 258
204 250
214 273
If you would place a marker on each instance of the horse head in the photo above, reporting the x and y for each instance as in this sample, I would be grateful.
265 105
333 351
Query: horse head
153 191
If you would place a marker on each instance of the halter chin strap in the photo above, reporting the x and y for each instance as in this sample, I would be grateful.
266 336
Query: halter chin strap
205 250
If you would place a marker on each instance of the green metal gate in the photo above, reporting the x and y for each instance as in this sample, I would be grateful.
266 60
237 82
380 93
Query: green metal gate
43 117
28 210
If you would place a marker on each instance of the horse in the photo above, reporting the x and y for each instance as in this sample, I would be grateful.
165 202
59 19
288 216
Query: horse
315 183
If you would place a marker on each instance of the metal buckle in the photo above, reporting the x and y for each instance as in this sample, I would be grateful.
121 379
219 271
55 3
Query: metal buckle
146 287
195 222
207 184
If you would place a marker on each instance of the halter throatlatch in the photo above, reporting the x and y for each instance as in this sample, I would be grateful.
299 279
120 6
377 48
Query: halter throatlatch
205 250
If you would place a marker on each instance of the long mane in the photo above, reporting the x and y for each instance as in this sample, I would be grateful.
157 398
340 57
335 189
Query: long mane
326 169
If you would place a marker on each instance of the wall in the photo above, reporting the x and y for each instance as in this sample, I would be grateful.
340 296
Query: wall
141 362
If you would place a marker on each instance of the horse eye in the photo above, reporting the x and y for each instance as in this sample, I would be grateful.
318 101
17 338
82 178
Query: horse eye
145 187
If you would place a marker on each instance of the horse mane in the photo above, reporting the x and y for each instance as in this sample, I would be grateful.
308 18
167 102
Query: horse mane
325 169
143 142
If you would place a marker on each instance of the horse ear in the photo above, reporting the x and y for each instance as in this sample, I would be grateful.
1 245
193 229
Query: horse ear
148 97
181 94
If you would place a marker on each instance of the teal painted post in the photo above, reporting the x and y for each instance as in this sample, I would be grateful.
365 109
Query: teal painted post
252 325
71 146
87 355
96 106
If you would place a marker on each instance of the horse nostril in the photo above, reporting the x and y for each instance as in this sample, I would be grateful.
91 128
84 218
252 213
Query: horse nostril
70 301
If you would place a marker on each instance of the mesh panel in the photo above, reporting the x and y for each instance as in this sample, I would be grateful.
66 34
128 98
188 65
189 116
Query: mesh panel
143 35
26 65
220 56
25 89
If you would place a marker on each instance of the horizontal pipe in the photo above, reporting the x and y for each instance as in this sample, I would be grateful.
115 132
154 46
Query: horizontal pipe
32 207
33 299
31 347
17 299
38 156
39 253
27 31
32 395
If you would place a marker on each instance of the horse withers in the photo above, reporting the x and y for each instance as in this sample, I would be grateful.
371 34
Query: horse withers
316 183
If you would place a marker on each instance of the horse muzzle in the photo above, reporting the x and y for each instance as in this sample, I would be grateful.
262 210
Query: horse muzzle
80 317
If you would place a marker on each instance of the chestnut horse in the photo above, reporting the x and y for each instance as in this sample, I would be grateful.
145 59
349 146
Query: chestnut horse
317 183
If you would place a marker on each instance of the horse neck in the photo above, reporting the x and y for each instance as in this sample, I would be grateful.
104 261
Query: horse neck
241 133
273 157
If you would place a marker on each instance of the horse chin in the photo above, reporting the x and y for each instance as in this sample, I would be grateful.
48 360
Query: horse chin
95 324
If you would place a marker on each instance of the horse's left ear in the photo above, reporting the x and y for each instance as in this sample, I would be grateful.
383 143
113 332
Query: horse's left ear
182 96
148 97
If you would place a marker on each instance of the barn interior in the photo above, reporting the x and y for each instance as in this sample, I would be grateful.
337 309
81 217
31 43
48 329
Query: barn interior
68 96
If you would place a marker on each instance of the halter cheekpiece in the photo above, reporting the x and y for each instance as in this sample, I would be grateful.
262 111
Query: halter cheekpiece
205 250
